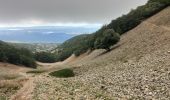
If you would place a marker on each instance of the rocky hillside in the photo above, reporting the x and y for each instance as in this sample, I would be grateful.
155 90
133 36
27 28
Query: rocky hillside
138 67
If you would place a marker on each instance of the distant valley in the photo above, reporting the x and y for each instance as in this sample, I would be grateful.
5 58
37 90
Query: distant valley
36 47
43 34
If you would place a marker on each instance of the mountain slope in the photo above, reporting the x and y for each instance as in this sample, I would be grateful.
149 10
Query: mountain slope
137 68
16 56
120 25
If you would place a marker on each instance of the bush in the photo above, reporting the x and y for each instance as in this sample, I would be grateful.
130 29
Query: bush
108 39
64 73
28 61
35 71
45 57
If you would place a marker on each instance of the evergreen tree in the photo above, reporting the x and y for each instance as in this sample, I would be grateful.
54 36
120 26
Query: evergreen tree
109 38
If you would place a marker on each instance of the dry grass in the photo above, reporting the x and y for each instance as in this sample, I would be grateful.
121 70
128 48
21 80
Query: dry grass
9 76
11 79
9 87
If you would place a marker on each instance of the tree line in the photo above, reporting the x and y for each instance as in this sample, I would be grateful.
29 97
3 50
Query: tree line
16 56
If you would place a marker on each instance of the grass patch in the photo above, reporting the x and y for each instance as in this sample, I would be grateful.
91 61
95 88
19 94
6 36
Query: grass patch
3 98
35 71
64 73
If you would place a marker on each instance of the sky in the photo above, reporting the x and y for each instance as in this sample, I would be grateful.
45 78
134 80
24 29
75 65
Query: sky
63 12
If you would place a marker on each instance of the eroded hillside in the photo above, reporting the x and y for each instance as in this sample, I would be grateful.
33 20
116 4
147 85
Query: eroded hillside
138 67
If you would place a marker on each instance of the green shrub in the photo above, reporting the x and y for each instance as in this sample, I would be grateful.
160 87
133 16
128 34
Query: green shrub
28 61
64 73
108 38
45 57
36 71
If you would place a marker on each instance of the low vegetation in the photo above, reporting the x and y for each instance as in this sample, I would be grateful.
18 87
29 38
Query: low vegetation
16 56
100 39
35 71
45 57
64 73
76 45
108 38
3 98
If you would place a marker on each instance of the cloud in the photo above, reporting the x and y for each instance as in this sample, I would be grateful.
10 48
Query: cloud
76 33
38 12
14 41
47 33
14 29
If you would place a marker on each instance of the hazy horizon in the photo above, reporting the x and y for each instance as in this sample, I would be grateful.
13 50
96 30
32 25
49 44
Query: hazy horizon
43 34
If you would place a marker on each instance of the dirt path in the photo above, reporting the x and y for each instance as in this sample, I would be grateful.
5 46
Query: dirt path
25 93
